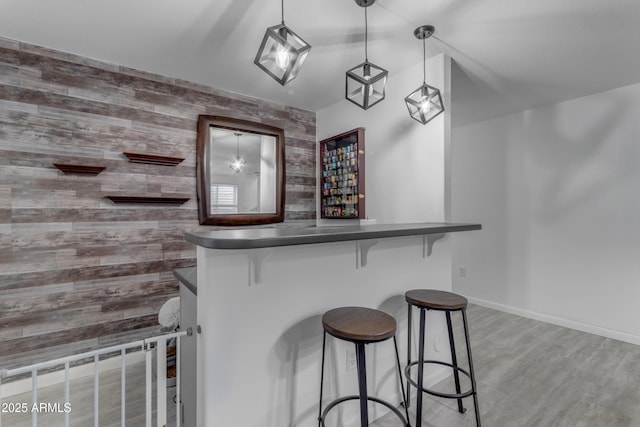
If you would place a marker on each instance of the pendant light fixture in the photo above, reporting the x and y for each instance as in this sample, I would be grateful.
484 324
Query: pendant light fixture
424 103
365 84
238 162
282 52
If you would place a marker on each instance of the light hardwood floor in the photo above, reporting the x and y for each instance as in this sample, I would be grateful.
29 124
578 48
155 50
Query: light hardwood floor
534 374
529 374
82 400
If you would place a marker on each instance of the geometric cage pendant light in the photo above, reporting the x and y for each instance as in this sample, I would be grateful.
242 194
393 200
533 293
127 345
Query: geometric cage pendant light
238 162
282 52
424 103
366 82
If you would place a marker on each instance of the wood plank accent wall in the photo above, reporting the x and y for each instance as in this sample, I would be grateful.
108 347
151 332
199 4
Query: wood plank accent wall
76 270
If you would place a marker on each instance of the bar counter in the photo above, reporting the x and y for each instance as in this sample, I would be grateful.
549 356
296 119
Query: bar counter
280 236
261 296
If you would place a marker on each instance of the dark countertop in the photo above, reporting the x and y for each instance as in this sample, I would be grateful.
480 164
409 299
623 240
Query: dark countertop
188 277
253 238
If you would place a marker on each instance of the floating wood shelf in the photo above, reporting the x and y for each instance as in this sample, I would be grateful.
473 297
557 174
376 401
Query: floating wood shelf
153 159
148 199
79 169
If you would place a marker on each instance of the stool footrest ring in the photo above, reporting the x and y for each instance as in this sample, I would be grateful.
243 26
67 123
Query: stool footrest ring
356 397
407 372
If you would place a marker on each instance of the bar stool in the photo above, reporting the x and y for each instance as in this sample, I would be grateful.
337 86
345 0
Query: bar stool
360 326
427 299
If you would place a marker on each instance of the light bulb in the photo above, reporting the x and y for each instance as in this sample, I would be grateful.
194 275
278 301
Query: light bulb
366 74
362 90
425 105
283 58
237 164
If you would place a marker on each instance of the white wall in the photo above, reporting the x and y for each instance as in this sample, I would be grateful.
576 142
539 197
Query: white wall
406 162
267 183
261 345
557 190
247 192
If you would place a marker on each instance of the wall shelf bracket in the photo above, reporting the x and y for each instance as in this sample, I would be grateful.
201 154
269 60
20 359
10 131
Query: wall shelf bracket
427 243
256 259
362 250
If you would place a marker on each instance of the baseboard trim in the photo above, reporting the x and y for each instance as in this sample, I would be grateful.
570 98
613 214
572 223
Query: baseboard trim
583 327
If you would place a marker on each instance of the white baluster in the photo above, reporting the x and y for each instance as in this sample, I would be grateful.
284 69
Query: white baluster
66 394
123 388
148 386
34 397
161 382
96 390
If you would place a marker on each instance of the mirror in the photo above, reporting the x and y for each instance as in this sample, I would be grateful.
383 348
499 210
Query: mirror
240 172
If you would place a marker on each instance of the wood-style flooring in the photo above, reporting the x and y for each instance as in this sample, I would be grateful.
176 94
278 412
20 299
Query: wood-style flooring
534 374
529 374
82 400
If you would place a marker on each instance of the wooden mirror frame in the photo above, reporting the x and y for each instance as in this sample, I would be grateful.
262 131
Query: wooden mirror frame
203 171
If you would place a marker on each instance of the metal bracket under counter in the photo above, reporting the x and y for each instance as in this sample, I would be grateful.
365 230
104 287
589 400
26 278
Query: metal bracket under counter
427 243
256 259
362 250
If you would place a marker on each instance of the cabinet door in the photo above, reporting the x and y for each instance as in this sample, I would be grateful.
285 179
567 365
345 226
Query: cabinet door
342 180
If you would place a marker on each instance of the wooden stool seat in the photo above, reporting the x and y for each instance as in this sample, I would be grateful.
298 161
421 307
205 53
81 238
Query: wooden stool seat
359 324
435 300
447 302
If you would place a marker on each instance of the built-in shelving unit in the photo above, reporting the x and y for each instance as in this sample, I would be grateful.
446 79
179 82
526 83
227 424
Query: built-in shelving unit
153 159
149 199
79 169
342 181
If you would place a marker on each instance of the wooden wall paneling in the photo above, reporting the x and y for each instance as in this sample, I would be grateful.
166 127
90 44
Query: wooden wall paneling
76 270
5 215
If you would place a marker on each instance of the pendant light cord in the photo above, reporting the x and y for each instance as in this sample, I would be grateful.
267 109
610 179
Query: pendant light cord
366 35
282 9
424 62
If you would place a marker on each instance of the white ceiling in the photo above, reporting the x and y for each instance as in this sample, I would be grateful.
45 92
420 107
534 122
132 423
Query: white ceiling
509 55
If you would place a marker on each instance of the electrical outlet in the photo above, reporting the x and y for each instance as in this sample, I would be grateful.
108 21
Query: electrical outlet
351 359
462 271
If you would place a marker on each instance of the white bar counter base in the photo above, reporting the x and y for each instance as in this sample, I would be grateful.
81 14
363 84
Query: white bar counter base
261 296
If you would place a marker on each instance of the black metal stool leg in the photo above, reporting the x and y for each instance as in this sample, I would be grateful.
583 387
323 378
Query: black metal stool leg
408 352
471 373
454 361
420 369
404 396
324 341
362 384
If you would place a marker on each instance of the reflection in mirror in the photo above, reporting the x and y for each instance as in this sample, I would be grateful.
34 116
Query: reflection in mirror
240 166
243 178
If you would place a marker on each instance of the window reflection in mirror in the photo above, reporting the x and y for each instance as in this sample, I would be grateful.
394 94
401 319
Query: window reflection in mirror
224 198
